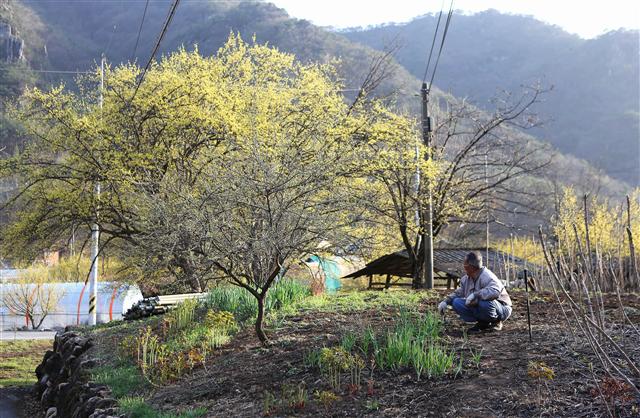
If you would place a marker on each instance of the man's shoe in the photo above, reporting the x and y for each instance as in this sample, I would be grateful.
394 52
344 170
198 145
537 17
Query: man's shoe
479 327
496 326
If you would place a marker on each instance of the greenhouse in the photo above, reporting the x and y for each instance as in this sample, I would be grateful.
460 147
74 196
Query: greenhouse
68 304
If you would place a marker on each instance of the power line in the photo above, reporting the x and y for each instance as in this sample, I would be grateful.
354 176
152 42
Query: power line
155 48
433 42
144 14
444 36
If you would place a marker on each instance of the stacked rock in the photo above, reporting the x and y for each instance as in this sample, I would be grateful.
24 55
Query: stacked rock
63 387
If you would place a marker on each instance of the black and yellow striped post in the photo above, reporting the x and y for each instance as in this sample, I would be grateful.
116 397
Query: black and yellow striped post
92 305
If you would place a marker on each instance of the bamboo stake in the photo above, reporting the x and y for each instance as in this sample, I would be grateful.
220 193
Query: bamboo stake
632 250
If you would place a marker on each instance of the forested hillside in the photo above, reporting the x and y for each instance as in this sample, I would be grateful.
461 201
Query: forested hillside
594 109
70 36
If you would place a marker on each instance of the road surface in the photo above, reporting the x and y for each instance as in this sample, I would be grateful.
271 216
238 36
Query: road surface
26 335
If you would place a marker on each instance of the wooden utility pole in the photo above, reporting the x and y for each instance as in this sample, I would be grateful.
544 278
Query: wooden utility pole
417 275
427 225
95 231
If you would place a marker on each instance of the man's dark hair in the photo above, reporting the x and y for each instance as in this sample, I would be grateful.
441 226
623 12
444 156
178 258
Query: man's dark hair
474 258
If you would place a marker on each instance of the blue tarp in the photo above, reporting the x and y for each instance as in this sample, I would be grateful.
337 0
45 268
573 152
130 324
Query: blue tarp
331 273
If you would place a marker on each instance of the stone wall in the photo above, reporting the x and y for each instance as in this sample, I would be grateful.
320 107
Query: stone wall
63 386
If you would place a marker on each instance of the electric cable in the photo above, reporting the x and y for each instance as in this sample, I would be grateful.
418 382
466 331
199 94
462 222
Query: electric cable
135 48
444 37
433 42
156 47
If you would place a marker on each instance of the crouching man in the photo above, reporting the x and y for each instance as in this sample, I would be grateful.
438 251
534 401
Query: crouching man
481 297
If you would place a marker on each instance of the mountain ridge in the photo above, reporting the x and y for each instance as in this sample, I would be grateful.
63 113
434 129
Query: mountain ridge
70 36
596 81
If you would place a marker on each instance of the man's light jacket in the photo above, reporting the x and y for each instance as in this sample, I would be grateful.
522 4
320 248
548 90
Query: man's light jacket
486 287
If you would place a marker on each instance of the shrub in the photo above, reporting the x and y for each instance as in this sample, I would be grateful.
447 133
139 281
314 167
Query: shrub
327 398
539 370
333 361
220 319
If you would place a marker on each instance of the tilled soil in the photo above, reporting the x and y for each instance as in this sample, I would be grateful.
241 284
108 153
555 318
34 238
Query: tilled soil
237 378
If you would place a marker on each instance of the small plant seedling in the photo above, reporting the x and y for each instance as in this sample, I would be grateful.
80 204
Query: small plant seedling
312 358
458 369
373 405
476 357
348 341
294 397
370 387
268 403
327 398
539 370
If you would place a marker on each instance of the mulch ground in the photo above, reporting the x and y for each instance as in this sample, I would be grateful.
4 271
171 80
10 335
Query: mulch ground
236 378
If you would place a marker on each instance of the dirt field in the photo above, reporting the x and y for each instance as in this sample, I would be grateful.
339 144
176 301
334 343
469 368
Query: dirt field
242 375
236 379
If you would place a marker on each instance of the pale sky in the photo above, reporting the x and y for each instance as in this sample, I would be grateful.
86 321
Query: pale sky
586 18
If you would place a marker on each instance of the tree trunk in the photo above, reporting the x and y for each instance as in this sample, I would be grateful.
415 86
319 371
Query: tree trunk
33 322
417 264
196 286
260 320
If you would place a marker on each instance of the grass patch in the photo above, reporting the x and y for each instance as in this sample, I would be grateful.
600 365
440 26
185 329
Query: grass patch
359 301
19 359
413 343
135 407
244 306
123 380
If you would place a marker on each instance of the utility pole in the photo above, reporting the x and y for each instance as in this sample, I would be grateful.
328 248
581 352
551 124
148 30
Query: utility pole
95 230
427 227
417 277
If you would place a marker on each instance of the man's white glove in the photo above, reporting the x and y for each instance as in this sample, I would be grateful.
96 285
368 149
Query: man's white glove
442 307
471 300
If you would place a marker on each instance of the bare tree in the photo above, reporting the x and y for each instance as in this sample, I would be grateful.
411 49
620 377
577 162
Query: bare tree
257 210
480 161
32 296
488 163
